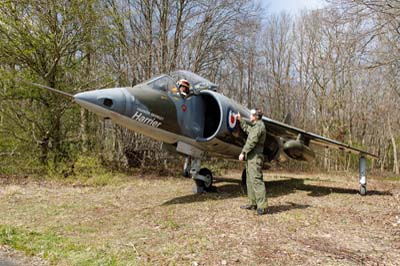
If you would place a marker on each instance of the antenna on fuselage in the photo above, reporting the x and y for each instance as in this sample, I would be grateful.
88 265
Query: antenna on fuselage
63 93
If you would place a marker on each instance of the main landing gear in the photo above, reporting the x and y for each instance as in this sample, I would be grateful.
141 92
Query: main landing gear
243 183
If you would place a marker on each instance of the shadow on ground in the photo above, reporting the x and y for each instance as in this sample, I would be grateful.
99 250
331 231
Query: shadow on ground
287 207
231 188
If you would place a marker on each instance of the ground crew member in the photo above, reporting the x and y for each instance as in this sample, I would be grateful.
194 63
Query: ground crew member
252 152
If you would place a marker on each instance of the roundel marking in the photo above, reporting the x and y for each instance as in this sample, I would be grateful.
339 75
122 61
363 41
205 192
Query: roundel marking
184 107
231 119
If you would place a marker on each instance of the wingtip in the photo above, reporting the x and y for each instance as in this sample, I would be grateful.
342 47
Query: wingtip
367 154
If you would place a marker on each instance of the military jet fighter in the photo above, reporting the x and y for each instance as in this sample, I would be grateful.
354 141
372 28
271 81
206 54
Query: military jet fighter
201 123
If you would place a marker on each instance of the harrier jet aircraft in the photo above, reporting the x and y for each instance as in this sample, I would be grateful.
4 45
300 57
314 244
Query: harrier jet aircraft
204 123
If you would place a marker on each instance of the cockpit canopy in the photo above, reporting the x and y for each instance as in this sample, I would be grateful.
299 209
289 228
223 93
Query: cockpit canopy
162 83
197 82
168 82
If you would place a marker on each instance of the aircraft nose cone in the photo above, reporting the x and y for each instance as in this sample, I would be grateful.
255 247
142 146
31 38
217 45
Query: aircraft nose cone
90 96
100 101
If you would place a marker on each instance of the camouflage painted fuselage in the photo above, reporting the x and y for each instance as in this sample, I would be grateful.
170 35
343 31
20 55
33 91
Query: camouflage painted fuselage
205 119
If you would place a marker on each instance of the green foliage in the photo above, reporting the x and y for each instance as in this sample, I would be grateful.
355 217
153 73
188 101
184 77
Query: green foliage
393 178
91 171
44 42
86 170
89 167
17 157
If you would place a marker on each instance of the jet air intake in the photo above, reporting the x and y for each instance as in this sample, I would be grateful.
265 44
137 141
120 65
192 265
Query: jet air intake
296 150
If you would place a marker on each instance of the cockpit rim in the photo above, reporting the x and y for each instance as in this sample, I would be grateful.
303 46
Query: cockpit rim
197 82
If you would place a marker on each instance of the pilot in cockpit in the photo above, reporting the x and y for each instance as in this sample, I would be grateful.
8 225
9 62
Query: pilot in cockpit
184 88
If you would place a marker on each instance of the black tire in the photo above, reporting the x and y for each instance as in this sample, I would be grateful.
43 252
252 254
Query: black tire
186 174
243 183
206 186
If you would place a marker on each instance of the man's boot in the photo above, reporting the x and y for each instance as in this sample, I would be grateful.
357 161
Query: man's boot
261 211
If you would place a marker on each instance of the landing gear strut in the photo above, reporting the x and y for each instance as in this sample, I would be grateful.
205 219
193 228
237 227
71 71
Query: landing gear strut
363 178
243 183
186 168
202 177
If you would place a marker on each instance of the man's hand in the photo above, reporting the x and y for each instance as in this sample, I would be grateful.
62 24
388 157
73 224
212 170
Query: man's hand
238 116
241 157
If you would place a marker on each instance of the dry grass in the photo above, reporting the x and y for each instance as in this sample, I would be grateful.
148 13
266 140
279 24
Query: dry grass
312 220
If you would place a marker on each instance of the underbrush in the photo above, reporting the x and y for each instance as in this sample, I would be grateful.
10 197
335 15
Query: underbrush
89 171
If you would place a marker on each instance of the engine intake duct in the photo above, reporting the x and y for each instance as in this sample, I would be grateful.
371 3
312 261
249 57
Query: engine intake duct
296 150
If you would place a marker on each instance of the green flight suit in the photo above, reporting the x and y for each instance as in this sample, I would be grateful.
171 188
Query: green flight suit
253 151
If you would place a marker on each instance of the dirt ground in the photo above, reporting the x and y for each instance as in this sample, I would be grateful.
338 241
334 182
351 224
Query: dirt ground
313 219
11 257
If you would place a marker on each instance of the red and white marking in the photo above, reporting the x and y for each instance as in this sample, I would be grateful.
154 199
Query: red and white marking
231 119
184 107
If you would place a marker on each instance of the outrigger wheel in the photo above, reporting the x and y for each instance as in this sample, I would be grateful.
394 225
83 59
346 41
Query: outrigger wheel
363 190
205 184
185 173
363 179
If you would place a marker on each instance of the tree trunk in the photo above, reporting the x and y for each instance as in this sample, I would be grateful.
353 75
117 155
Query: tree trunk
395 160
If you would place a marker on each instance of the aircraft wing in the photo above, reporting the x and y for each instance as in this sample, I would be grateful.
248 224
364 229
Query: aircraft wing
280 129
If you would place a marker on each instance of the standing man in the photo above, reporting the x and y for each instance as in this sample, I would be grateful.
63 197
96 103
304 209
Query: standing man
252 152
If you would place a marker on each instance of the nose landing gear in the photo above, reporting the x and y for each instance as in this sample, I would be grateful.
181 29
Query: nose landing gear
202 177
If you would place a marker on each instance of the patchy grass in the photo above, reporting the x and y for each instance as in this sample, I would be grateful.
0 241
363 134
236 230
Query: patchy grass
313 219
103 179
393 178
52 247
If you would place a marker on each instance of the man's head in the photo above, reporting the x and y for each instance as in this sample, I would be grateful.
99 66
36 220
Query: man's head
256 114
184 86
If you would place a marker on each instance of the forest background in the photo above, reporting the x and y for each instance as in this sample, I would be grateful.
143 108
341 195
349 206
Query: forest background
334 69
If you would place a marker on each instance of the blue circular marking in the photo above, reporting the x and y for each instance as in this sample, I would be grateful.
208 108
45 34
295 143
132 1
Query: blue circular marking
228 119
